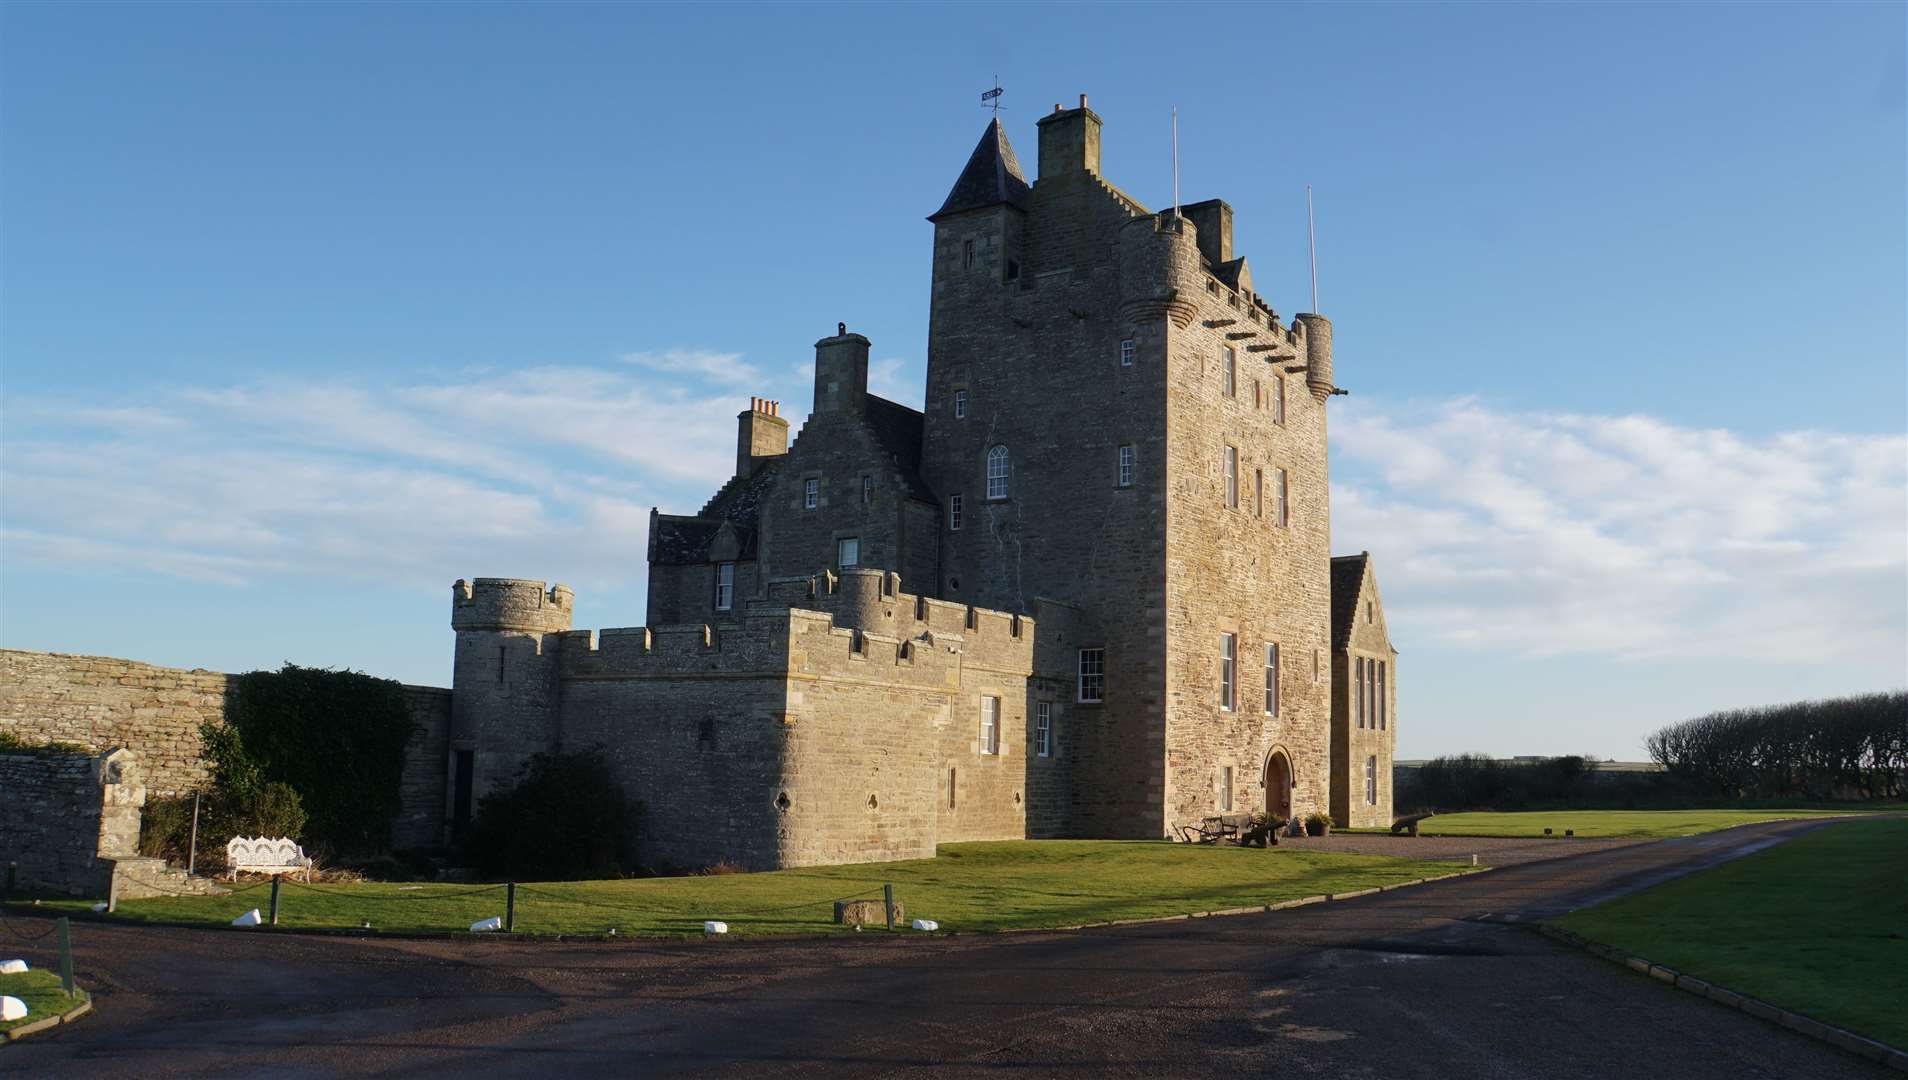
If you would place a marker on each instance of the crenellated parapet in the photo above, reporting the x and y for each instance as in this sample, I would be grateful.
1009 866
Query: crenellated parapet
510 604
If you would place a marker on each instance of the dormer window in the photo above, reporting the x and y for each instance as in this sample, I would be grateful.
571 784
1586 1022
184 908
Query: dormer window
725 586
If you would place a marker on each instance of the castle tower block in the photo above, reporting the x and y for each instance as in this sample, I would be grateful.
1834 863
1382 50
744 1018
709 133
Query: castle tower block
504 688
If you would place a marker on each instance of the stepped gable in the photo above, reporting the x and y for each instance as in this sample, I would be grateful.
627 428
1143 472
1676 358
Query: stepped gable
992 177
898 429
685 540
1348 577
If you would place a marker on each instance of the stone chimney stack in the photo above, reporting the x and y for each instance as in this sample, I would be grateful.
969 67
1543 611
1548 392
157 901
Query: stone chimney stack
841 373
760 433
1069 142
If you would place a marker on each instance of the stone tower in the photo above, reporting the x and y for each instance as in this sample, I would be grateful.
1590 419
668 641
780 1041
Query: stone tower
505 675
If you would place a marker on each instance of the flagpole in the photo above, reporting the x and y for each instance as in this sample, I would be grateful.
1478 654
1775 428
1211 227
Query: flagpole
1175 161
1311 236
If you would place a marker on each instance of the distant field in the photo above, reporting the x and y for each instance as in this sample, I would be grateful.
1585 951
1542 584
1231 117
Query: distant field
1818 925
1608 823
978 886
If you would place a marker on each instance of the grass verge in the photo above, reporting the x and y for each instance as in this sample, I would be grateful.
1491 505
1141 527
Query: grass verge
1005 885
1818 925
41 992
1609 823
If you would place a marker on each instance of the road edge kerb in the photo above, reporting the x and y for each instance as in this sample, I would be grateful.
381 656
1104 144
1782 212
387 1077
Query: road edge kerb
80 1008
1839 1037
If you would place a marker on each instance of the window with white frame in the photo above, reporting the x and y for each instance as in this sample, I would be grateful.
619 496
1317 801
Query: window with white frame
960 404
1380 695
1371 780
1225 787
811 493
1127 348
990 725
725 586
1232 477
998 472
1126 466
1278 399
848 552
1043 729
1228 671
1358 689
1280 497
1271 678
1092 674
954 511
1229 359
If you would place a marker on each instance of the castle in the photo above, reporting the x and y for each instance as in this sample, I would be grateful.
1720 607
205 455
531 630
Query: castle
1086 592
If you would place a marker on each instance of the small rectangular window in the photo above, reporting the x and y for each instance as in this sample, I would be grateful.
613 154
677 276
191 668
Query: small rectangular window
1230 359
1380 695
1043 729
1278 399
725 586
1126 466
1371 781
990 725
811 494
954 512
953 775
1127 348
1232 477
867 490
1271 678
1225 787
1317 667
1358 689
1092 674
1280 504
848 553
960 404
967 254
1258 493
1228 671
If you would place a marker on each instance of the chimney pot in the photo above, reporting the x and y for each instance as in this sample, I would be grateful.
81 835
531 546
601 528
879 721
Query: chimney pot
1083 101
1056 106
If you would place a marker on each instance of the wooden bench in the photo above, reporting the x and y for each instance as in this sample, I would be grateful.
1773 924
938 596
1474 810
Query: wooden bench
1211 830
259 855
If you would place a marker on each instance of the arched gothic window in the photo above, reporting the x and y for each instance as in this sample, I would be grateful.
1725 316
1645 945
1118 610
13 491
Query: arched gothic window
998 471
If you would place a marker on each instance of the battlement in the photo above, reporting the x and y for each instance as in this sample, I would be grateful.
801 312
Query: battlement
510 604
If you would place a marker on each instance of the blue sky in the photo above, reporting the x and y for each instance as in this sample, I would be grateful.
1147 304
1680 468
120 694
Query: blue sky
307 311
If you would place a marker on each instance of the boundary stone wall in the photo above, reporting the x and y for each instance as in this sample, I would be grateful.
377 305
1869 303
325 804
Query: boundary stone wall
67 817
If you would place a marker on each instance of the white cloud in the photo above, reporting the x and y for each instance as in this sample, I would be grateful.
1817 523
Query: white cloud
1627 536
723 368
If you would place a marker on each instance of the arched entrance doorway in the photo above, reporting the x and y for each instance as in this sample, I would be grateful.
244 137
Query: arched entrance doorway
1278 785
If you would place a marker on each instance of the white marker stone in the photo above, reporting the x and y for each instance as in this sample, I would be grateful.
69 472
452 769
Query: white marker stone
714 927
101 906
495 922
926 924
13 967
12 1008
250 918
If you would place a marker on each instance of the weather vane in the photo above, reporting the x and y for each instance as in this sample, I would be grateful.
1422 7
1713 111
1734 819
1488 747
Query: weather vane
991 99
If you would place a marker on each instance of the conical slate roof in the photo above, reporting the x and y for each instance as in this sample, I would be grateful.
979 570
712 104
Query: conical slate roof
992 177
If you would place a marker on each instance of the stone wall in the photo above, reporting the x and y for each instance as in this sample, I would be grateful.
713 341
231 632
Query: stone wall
68 817
100 703
104 703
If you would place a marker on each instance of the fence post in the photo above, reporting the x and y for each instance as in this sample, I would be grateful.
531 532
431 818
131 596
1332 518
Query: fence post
274 899
112 891
13 878
887 899
192 849
66 957
510 907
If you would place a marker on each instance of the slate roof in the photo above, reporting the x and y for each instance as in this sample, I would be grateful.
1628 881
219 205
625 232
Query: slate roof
1348 576
898 429
992 177
685 540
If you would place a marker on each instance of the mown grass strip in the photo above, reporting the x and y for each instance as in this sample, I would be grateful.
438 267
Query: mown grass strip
1818 925
1610 823
42 994
969 887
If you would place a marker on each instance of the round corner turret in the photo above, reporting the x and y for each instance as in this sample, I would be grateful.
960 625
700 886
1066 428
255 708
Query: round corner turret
1316 330
511 604
1159 268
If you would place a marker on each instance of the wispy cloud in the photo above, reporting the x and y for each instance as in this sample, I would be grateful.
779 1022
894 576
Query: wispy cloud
1627 536
722 368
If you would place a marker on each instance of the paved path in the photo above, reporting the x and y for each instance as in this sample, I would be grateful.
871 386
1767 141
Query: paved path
1402 984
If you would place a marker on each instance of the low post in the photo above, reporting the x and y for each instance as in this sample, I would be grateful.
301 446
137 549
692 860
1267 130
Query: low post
887 899
112 892
510 907
13 878
192 849
66 956
274 899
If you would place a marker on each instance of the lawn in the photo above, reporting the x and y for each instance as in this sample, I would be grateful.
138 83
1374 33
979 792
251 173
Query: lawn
1608 823
1818 925
41 992
977 886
